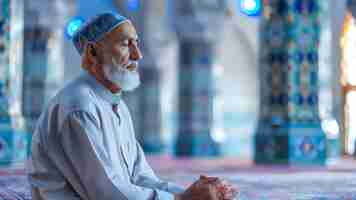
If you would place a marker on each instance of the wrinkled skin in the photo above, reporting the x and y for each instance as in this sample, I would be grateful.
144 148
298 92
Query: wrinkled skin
209 188
120 44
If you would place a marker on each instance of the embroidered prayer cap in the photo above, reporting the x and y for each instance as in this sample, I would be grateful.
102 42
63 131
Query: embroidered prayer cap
96 28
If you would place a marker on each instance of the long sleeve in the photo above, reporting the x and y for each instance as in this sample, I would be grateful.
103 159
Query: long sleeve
143 175
89 157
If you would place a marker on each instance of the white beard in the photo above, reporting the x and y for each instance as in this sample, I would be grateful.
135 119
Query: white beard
125 79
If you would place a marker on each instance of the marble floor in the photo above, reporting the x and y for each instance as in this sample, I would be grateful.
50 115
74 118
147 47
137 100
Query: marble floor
336 181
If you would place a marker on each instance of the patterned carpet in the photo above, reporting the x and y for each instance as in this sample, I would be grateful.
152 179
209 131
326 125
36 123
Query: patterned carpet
337 181
334 182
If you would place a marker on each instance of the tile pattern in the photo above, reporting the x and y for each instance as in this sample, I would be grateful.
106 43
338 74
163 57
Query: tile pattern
289 129
196 94
14 140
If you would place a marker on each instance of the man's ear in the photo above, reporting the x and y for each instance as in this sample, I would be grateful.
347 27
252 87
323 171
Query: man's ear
92 50
90 57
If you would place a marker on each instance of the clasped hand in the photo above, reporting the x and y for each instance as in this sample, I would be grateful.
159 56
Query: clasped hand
209 188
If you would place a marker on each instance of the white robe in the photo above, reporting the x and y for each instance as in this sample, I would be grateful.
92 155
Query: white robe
82 150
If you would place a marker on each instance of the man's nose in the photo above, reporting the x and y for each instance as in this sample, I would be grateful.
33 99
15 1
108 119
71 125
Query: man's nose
136 53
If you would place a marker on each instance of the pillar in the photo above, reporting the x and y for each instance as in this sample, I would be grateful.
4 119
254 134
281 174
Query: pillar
14 139
145 102
329 75
197 25
43 54
289 128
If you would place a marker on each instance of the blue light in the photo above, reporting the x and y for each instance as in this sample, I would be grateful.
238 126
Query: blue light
250 7
133 5
73 26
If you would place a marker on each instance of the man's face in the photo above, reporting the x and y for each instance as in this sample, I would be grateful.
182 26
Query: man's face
122 45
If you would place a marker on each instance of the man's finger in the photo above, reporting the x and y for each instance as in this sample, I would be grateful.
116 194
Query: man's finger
208 179
230 193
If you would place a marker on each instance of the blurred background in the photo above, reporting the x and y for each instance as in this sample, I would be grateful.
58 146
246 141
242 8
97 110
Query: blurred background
233 82
241 78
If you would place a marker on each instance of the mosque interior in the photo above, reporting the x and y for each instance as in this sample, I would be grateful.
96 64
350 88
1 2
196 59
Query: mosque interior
259 92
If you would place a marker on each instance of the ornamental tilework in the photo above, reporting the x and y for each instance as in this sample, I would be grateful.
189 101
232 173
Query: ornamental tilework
304 148
196 93
304 28
14 140
4 57
290 32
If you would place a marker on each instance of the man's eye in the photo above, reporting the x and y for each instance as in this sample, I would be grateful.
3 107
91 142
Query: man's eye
125 43
134 42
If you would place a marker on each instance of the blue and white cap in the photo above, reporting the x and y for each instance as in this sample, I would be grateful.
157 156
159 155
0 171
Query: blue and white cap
96 28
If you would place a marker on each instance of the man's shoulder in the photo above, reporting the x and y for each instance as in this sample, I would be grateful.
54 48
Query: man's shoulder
76 95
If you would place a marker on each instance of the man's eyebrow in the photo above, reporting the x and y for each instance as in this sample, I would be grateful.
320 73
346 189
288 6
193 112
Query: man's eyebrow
136 39
127 37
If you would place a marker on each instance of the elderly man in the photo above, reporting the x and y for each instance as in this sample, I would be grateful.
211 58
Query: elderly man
84 145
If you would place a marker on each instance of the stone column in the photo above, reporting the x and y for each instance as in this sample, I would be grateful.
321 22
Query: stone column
145 102
329 75
197 24
14 139
43 54
289 129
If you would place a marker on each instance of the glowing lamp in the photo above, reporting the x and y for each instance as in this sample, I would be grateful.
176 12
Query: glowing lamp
250 7
133 5
73 26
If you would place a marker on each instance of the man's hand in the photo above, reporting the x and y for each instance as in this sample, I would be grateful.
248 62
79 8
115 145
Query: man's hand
225 189
199 190
208 188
